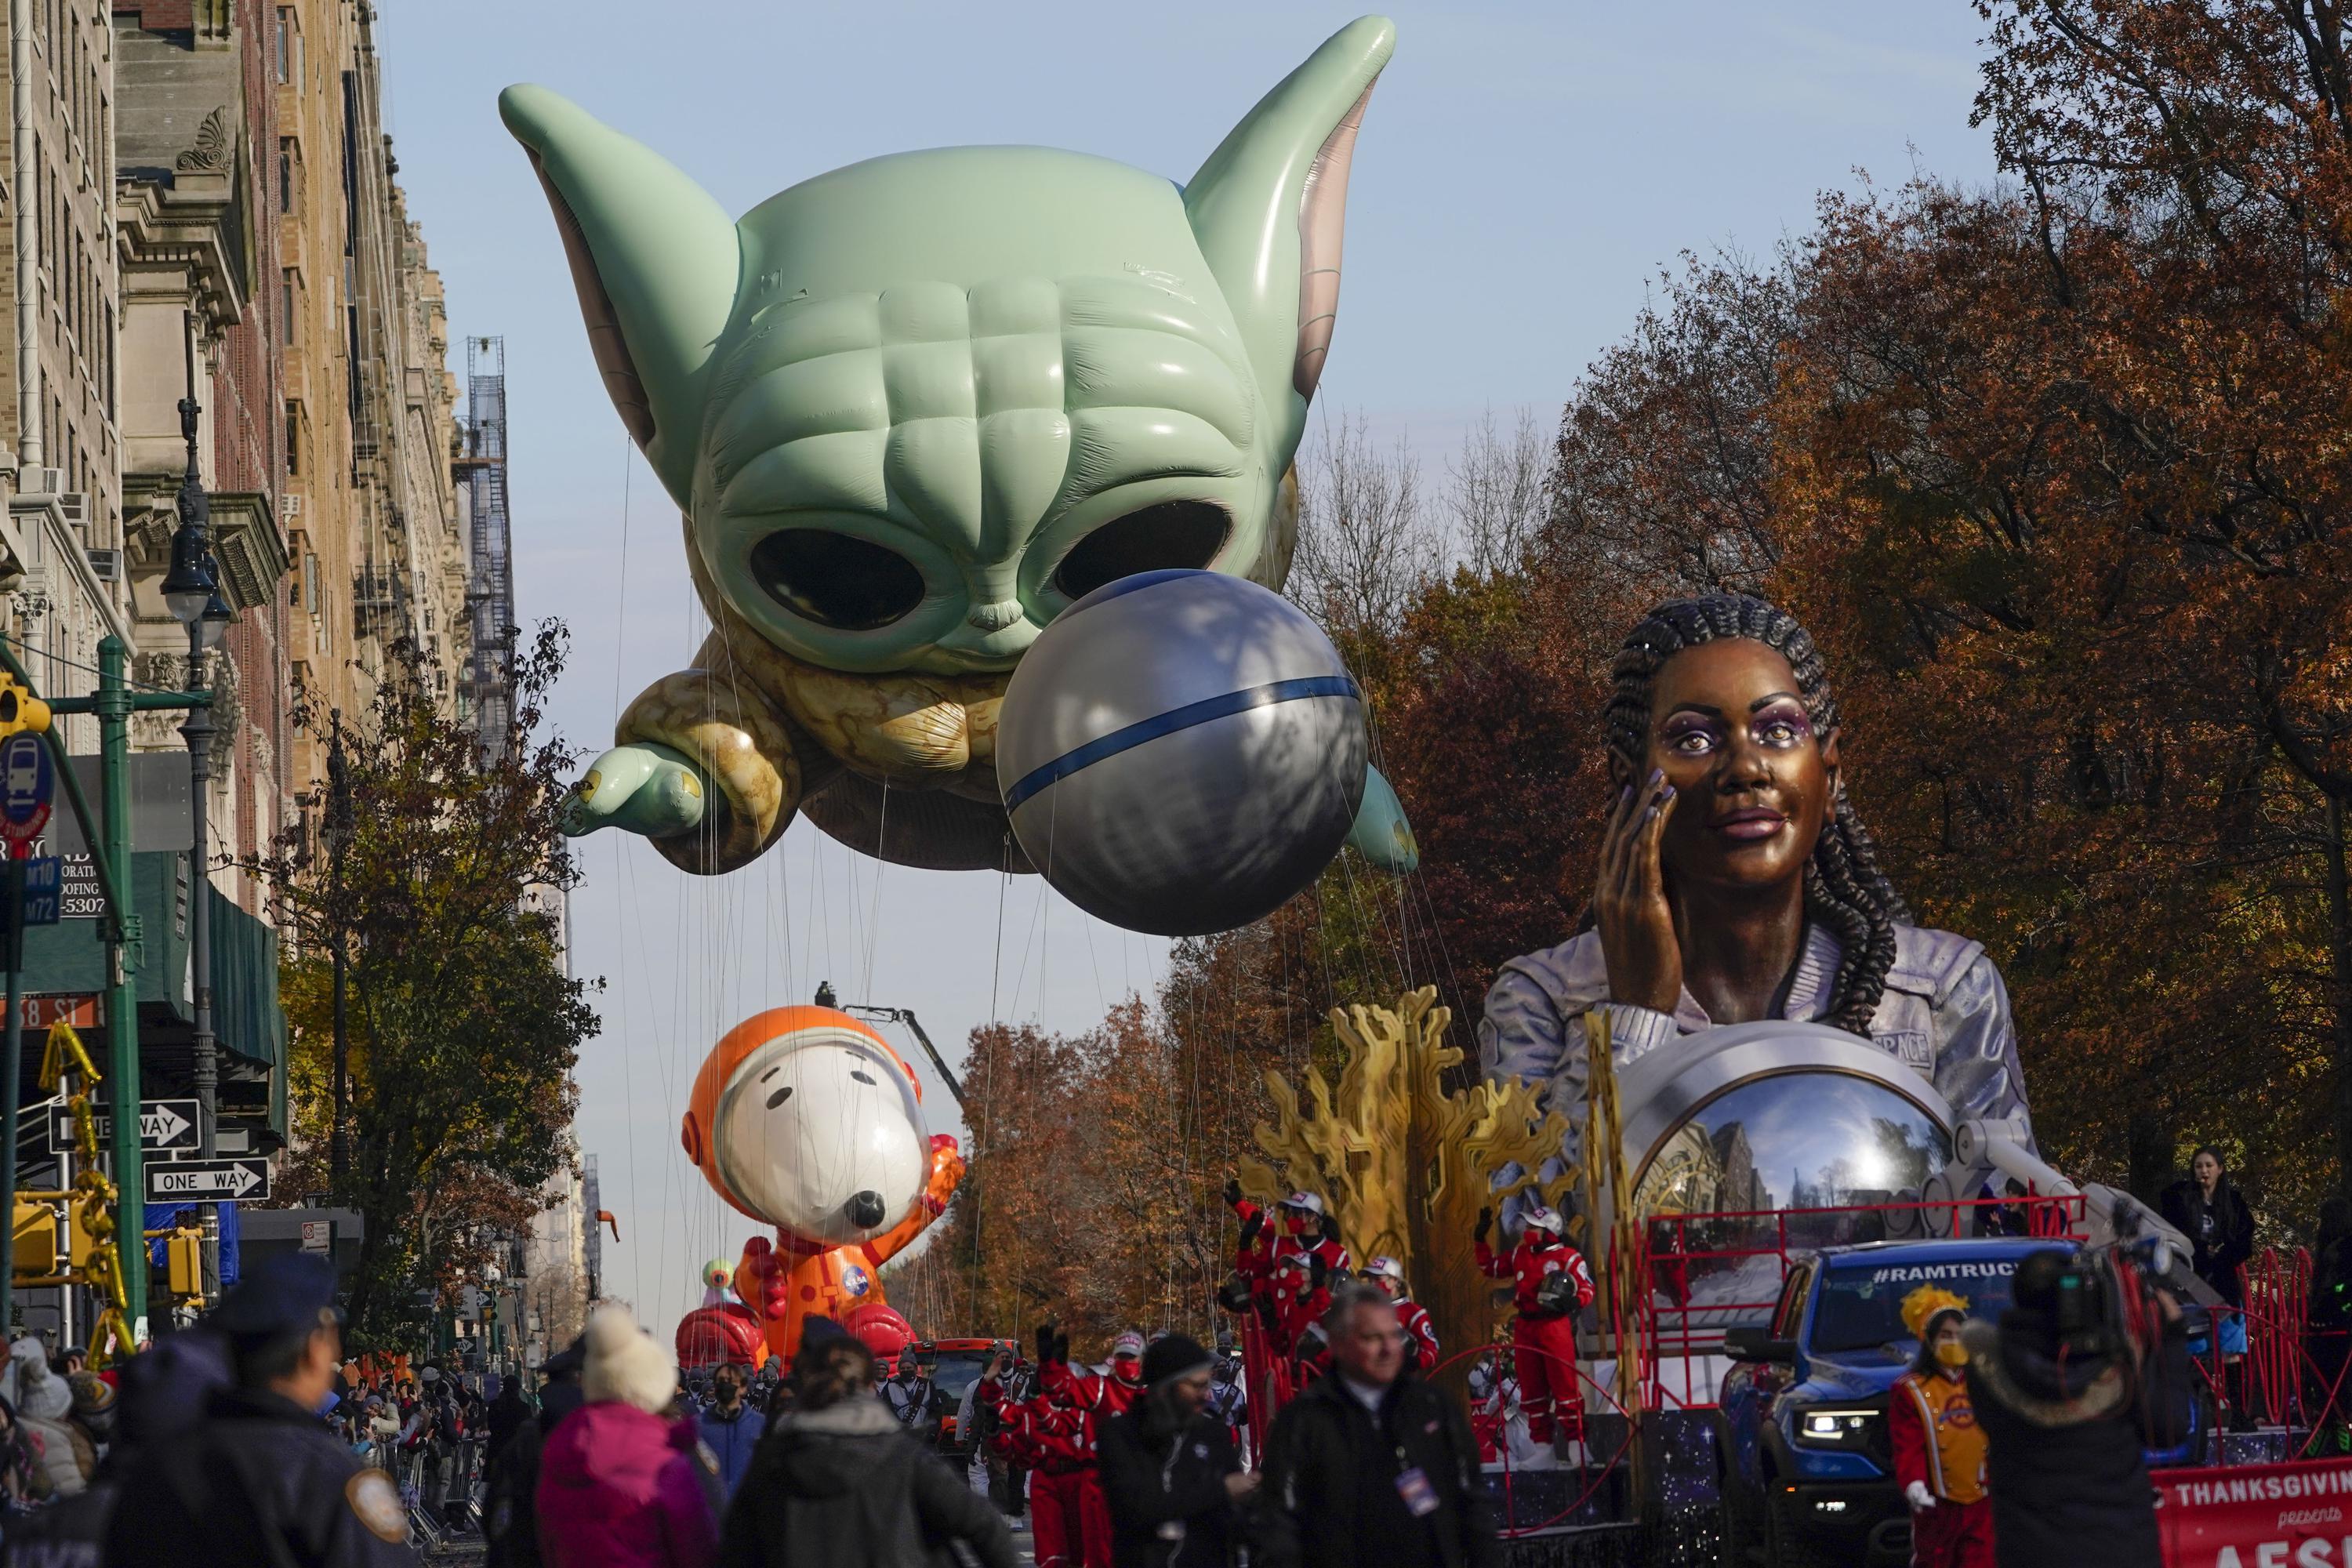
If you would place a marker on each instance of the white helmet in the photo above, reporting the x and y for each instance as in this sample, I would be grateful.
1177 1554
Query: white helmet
1536 1216
1306 1201
1387 1268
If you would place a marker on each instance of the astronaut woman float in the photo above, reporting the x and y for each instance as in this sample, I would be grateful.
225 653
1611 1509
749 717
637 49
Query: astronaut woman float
1737 884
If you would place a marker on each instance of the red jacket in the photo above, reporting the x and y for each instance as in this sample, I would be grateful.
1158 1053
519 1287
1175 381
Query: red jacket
1420 1334
1526 1264
1095 1393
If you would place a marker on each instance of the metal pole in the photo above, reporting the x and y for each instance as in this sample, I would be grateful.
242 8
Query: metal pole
198 732
196 518
114 706
12 936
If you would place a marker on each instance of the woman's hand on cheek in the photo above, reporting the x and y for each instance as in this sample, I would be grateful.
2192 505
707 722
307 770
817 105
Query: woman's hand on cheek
1637 927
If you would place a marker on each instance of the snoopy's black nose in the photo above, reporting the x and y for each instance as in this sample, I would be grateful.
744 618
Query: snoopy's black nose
865 1210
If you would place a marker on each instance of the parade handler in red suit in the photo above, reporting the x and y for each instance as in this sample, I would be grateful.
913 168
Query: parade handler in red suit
1549 1283
1099 1397
1939 1450
1421 1348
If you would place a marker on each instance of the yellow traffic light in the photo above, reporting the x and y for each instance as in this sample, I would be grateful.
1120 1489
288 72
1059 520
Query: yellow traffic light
79 1242
20 711
36 1240
185 1253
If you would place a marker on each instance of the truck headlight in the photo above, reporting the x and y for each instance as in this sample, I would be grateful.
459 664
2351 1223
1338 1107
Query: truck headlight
1833 1425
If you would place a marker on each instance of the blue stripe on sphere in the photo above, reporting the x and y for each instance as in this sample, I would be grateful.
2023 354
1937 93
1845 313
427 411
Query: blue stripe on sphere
1206 710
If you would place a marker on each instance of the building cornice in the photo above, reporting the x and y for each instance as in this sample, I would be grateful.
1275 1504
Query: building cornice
189 223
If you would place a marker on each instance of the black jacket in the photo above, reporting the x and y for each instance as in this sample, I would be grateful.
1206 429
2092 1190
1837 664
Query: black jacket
1155 1474
2221 1245
847 1488
2065 1444
1331 1498
259 1485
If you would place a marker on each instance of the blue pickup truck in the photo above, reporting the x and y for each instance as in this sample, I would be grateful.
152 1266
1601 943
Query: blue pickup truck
1807 1468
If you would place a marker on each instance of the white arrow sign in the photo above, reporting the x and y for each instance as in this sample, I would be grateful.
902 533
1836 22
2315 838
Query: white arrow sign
162 1124
201 1180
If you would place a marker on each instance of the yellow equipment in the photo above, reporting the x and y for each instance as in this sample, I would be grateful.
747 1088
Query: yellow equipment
37 1238
20 711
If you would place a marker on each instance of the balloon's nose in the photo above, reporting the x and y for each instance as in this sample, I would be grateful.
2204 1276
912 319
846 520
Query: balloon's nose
865 1210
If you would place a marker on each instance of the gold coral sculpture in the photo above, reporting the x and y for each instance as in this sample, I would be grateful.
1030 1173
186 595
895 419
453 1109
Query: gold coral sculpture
1404 1161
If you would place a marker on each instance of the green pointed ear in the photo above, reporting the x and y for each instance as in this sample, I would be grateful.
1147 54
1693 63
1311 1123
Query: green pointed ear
1269 207
655 259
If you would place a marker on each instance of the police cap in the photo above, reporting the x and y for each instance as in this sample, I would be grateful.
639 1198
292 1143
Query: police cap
278 1296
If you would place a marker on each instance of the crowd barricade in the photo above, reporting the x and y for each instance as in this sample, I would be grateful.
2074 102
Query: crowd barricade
2292 1373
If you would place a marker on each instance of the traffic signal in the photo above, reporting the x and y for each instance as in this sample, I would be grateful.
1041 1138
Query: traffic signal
20 711
35 1256
184 1252
79 1242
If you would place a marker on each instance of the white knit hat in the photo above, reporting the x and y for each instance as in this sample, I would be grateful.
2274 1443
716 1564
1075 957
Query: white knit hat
625 1364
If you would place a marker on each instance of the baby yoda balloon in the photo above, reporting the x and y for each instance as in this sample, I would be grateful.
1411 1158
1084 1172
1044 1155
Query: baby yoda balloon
912 410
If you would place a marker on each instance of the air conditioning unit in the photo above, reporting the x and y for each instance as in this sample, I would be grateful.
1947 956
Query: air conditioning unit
289 507
40 482
74 505
106 565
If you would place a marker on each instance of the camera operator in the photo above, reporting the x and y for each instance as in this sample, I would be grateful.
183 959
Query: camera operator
2085 1373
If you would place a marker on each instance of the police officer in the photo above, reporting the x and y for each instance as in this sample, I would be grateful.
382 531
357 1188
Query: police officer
262 1480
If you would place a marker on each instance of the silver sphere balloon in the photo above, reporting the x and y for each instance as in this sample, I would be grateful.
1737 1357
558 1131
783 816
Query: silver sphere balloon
1180 752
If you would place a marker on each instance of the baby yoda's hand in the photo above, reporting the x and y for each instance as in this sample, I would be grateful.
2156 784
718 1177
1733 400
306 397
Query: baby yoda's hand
641 787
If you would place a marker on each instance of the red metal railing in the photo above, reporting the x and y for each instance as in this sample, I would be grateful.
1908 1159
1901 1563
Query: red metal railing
1748 1251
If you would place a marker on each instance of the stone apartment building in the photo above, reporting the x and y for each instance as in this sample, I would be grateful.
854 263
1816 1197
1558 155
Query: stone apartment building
60 379
371 517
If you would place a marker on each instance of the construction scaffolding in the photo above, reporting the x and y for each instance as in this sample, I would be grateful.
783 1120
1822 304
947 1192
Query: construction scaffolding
486 691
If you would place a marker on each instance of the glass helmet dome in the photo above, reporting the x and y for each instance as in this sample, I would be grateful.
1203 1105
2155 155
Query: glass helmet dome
1726 1128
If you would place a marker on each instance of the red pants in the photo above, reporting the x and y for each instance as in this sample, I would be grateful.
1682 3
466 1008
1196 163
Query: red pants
1544 1350
1057 1519
1952 1535
1094 1510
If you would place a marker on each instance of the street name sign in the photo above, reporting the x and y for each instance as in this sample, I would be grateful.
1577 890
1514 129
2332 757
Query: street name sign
207 1180
163 1125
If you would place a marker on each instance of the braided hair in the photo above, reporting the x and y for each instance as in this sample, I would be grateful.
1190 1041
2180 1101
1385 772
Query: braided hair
1844 888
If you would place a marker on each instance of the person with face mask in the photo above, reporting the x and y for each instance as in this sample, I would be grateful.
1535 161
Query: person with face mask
909 1394
730 1428
1940 1448
1543 1334
1420 1333
1169 1473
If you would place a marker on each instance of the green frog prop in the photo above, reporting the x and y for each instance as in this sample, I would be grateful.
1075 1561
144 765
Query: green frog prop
913 409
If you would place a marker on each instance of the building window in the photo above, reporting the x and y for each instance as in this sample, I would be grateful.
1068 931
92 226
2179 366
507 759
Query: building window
286 174
285 55
293 438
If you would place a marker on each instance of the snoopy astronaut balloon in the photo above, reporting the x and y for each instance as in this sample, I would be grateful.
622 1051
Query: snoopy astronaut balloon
804 1119
913 409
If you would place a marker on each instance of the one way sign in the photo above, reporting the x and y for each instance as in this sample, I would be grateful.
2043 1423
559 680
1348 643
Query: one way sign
162 1124
207 1180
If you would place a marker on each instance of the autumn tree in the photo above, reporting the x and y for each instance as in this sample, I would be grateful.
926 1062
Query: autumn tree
463 1025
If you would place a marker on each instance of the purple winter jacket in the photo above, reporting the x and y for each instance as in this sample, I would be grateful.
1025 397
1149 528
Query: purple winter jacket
620 1489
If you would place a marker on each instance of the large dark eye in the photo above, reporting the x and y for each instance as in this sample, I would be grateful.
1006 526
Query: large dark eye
836 580
1173 534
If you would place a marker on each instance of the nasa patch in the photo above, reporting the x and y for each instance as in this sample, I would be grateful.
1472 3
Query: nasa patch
853 1281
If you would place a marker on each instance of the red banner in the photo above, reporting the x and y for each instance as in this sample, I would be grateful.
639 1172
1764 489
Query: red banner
2257 1516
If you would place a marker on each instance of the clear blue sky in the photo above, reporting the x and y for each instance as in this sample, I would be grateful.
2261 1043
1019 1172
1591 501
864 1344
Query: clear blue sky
1524 173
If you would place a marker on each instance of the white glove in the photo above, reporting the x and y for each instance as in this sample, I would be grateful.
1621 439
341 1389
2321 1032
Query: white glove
1918 1495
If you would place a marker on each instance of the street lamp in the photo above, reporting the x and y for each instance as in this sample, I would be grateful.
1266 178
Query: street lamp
192 590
